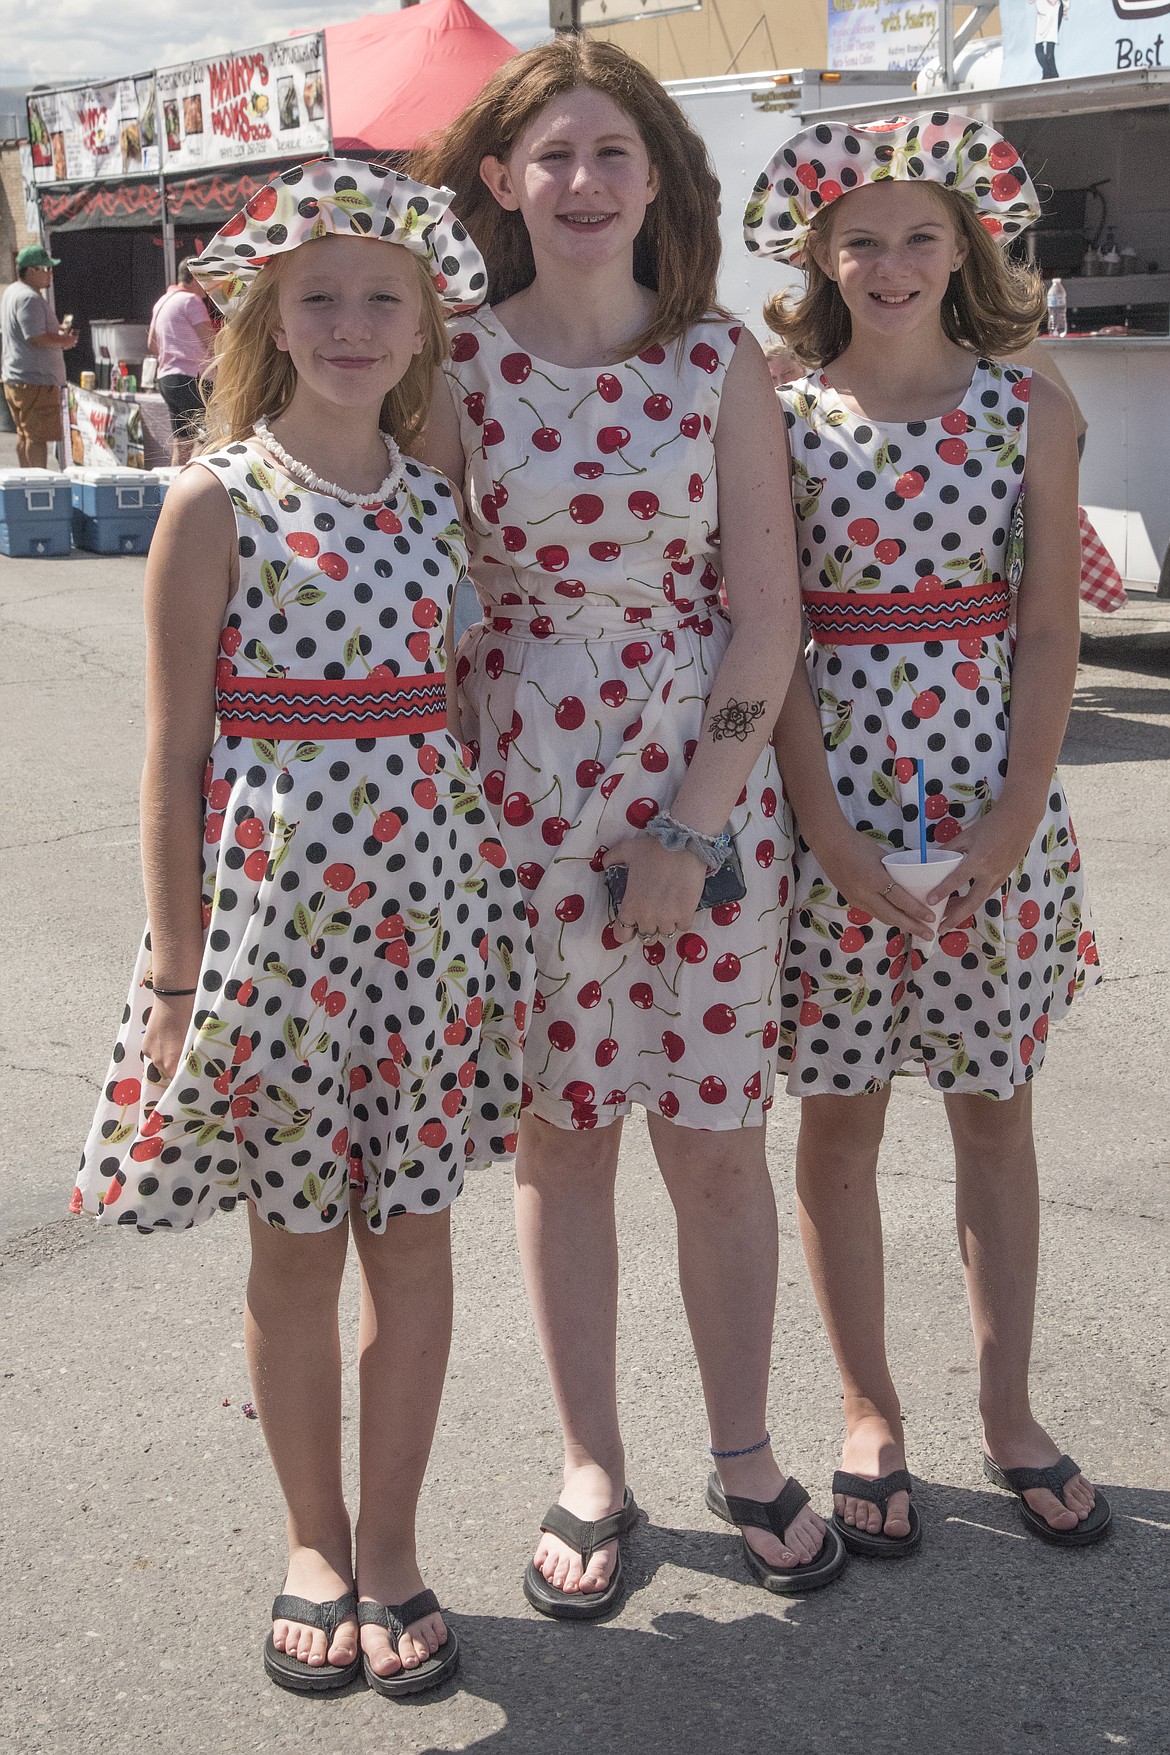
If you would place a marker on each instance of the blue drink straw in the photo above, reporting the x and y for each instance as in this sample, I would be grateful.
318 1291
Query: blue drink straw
921 813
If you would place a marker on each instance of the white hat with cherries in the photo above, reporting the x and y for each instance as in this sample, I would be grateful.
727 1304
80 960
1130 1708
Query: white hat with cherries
346 198
829 159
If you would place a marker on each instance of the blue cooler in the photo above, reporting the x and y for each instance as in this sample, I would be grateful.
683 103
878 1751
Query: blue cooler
115 510
35 512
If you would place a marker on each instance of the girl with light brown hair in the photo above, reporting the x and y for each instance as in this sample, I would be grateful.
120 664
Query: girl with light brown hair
620 448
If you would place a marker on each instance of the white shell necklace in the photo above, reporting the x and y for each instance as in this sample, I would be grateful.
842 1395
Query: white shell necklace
301 471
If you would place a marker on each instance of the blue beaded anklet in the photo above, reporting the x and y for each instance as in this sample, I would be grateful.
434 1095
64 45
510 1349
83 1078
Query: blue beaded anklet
751 1449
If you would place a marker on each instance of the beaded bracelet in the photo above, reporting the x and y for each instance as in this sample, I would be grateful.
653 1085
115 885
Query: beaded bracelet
677 837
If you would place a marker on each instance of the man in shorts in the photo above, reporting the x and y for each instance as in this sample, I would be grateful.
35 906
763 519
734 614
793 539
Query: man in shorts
32 357
182 335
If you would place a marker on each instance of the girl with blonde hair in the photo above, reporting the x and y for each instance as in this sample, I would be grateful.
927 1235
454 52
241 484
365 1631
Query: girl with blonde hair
327 1013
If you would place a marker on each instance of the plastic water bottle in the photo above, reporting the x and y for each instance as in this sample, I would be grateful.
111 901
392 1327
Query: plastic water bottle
1057 309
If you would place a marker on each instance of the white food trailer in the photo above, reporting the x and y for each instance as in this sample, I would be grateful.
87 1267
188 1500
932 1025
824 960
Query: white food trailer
1099 150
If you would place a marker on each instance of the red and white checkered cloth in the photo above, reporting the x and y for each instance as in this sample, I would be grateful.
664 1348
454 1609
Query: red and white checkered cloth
1101 584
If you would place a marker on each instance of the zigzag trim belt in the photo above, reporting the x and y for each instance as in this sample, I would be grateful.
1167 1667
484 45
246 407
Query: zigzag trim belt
902 618
276 707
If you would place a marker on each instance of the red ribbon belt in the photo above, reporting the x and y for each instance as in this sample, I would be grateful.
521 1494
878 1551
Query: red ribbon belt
901 618
276 707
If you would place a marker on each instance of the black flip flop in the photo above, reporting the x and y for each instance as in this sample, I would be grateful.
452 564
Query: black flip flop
586 1538
395 1618
876 1546
776 1516
289 1672
1055 1477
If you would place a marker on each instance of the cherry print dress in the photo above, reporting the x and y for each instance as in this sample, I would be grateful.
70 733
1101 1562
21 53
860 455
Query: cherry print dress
592 527
904 535
366 971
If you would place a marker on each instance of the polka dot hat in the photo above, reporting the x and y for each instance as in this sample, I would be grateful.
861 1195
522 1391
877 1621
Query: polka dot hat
828 159
351 199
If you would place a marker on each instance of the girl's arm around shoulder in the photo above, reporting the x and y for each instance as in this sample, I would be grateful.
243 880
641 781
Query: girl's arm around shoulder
441 444
758 538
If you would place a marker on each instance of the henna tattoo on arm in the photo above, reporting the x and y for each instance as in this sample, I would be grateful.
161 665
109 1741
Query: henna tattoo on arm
735 719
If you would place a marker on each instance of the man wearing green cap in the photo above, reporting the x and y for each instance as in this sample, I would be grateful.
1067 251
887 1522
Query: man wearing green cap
32 357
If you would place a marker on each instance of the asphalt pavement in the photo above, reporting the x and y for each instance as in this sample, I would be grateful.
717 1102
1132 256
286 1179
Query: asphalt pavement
141 1533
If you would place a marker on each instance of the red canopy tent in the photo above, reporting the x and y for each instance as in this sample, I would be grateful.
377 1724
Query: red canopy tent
395 77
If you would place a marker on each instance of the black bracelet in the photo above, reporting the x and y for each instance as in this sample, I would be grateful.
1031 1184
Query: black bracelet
173 992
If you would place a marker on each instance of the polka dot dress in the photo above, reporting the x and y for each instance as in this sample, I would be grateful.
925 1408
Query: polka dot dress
363 993
592 522
901 508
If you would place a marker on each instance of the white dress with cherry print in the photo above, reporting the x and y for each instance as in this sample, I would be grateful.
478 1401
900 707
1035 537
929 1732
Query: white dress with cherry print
591 516
917 509
366 970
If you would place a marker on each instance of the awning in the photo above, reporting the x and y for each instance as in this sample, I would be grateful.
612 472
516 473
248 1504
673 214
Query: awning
213 196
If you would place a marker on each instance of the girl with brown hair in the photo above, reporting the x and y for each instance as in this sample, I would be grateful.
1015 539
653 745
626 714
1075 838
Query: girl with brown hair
622 457
912 444
326 1018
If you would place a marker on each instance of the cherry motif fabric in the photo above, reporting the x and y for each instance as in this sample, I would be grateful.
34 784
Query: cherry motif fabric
592 520
366 973
886 508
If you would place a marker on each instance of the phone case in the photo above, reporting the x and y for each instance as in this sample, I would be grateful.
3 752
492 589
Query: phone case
724 885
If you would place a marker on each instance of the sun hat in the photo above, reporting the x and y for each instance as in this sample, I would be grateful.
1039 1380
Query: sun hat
35 256
347 198
829 159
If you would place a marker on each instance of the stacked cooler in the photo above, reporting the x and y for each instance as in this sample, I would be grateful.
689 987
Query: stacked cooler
115 510
35 512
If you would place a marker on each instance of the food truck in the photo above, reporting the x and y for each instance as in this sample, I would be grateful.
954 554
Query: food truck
1098 148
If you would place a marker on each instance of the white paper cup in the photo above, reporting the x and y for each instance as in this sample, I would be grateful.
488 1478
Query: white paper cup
908 871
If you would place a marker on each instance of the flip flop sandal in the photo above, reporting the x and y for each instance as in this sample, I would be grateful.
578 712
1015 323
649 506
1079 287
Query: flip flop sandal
877 1545
289 1672
586 1538
776 1516
1020 1481
395 1618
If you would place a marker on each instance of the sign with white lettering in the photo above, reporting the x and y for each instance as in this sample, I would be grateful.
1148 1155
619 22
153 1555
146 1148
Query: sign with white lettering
1066 39
891 35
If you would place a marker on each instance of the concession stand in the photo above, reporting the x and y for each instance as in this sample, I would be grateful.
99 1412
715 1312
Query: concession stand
133 174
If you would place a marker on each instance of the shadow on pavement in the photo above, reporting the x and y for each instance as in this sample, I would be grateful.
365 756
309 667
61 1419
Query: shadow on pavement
1109 724
987 1642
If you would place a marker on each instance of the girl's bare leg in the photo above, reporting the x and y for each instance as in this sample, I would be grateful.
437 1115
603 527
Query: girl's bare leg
404 1337
568 1249
841 1229
294 1357
997 1209
727 1257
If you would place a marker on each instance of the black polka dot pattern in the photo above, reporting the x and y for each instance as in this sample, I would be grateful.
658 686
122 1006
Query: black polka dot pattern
349 198
365 984
828 159
860 1001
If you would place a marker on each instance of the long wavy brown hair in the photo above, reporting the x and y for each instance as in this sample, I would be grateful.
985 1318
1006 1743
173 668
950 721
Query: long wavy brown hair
252 379
993 304
676 253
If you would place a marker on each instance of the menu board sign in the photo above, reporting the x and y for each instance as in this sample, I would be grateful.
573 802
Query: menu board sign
262 103
88 132
267 102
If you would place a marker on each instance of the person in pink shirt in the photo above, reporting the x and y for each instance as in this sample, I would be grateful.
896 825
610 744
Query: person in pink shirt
182 335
